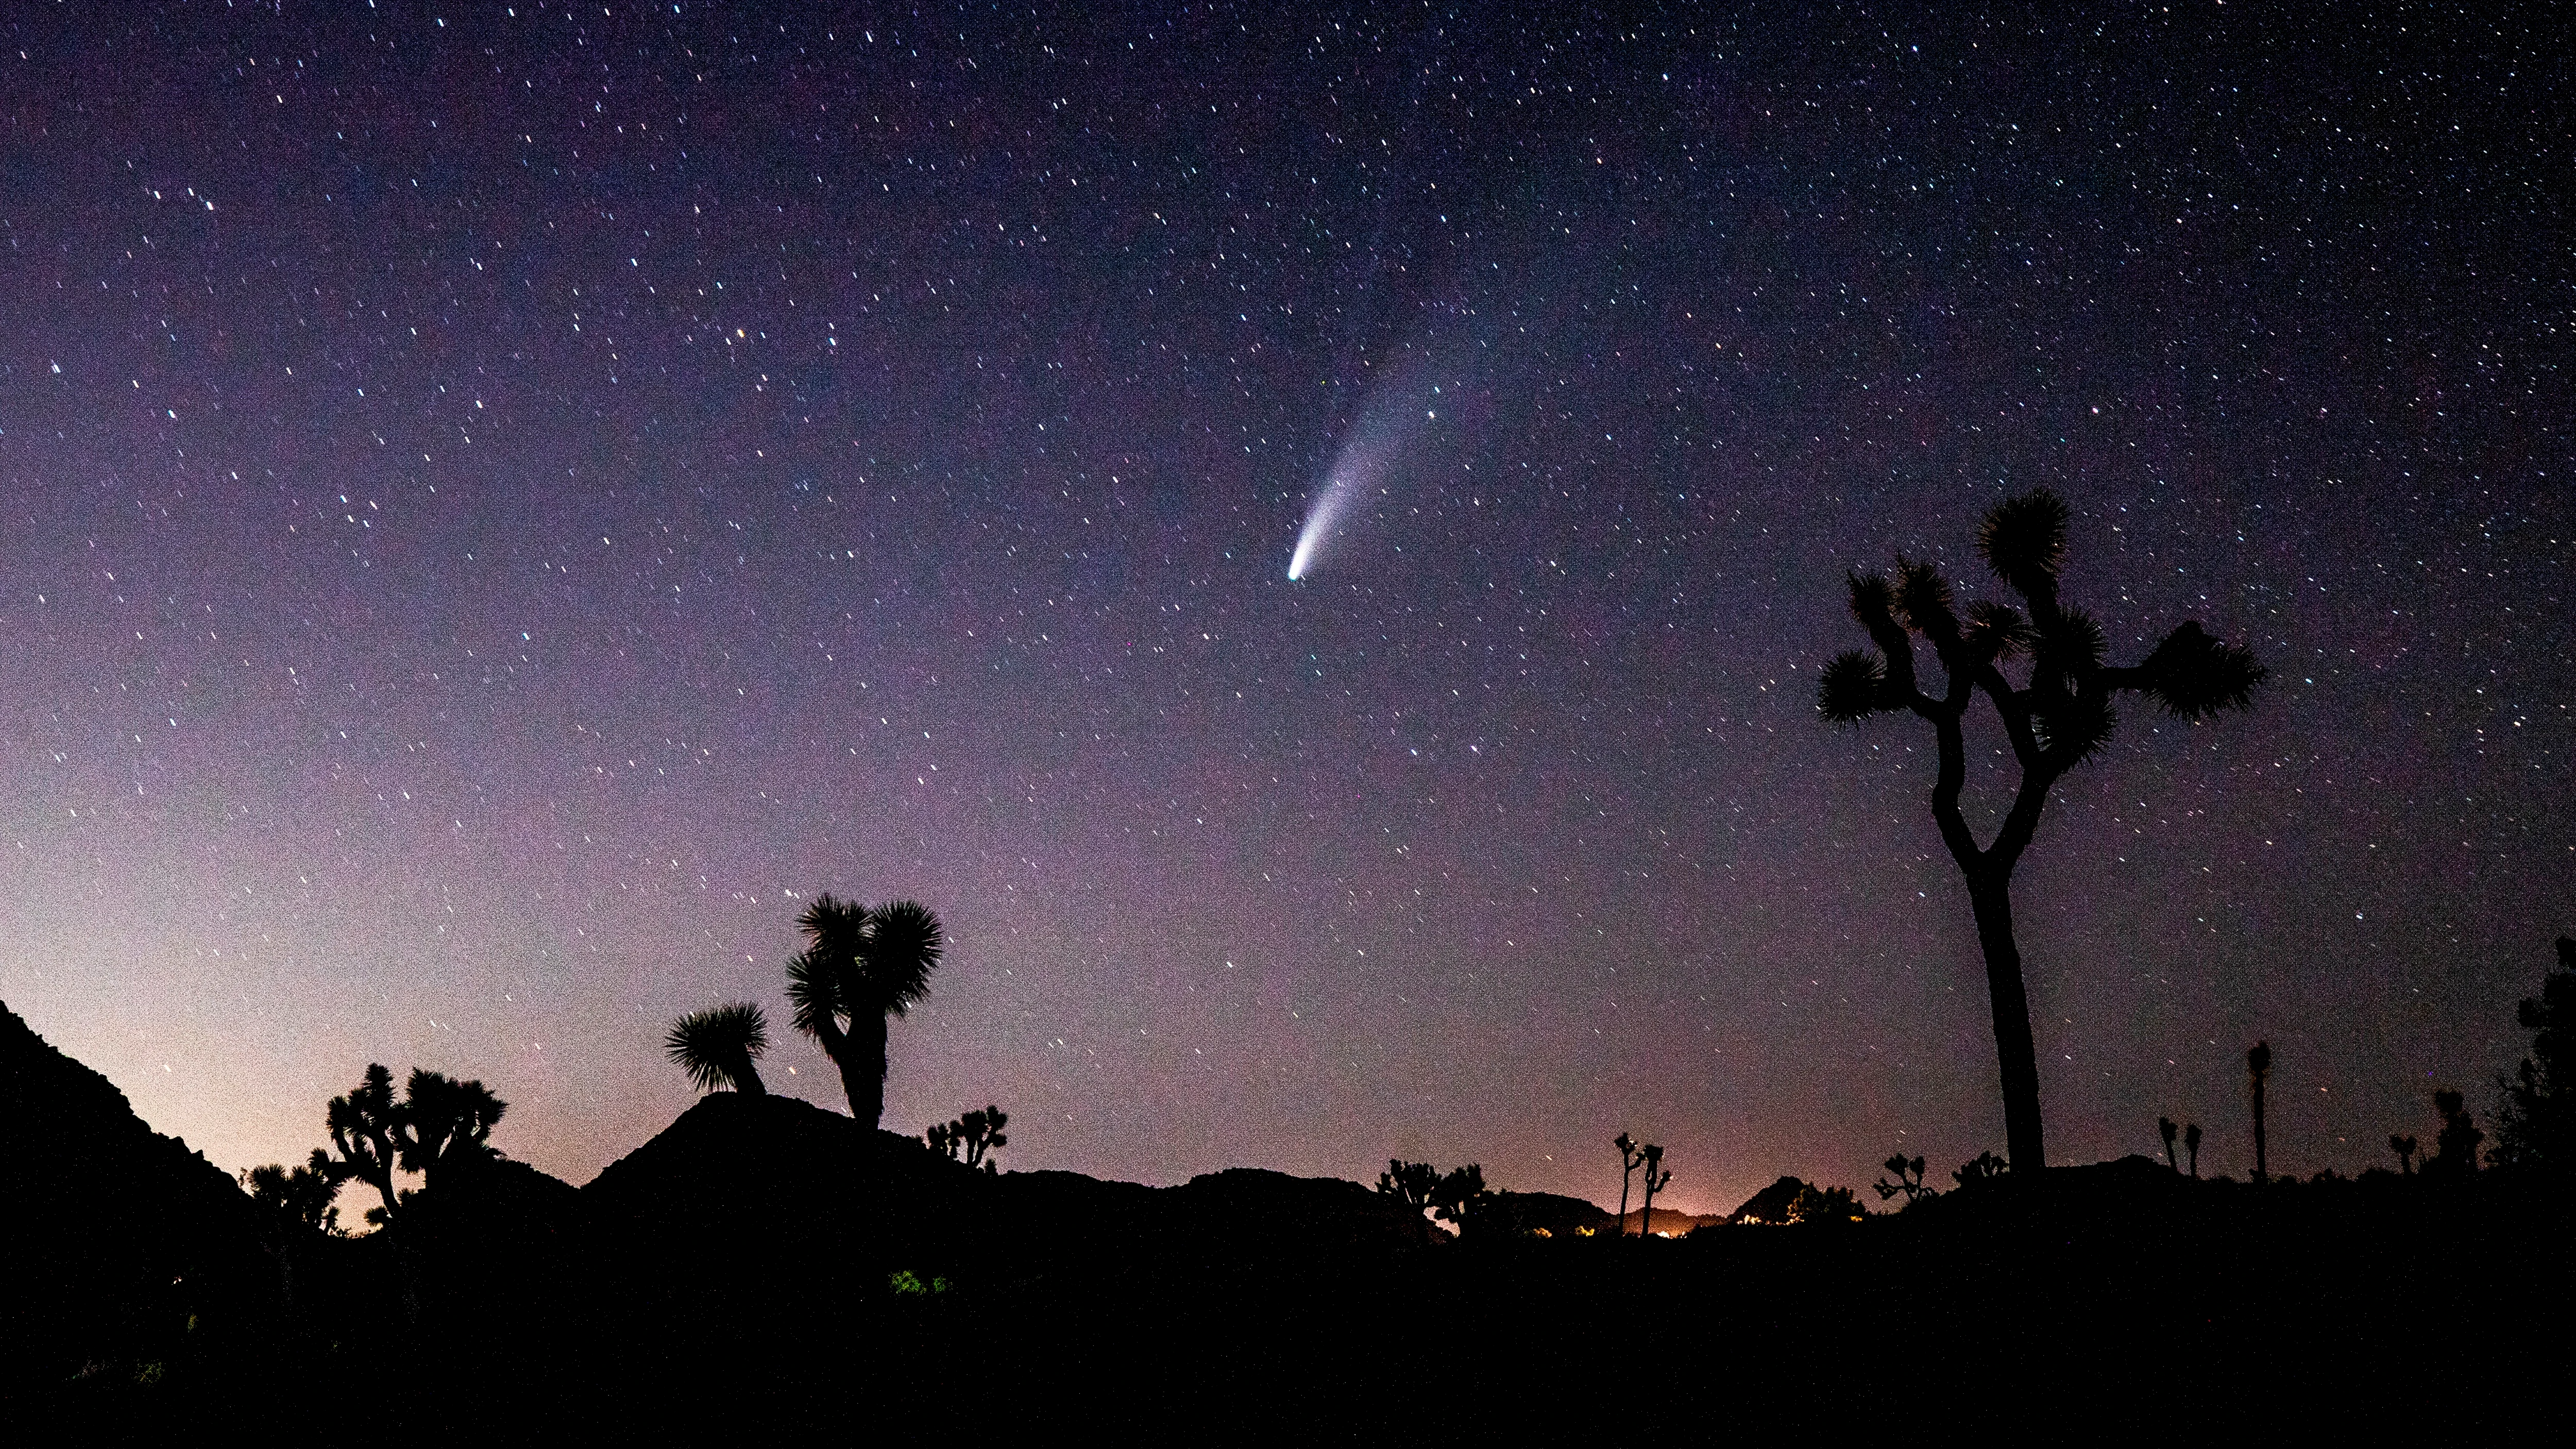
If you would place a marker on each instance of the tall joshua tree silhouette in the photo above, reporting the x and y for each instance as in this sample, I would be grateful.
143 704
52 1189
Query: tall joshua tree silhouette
716 1047
860 968
2191 1146
2165 1129
1631 1156
2055 720
2258 1075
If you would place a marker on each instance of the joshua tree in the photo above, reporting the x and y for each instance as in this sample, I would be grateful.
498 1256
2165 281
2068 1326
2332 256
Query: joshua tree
444 1122
2191 1145
1460 1196
365 1132
1836 1205
1415 1184
1909 1180
2166 1129
293 1207
970 1137
1984 1167
859 968
2404 1147
1658 1177
2258 1075
2054 721
1629 1159
716 1047
2455 1150
2536 1118
299 1198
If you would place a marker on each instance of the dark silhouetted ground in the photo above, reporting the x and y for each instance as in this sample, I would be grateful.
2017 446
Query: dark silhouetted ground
764 1265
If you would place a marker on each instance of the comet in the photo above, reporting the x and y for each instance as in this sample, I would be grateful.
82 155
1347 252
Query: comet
1352 472
1395 419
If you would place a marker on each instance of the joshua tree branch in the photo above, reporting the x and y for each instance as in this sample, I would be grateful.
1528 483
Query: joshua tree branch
2014 707
1953 777
2022 821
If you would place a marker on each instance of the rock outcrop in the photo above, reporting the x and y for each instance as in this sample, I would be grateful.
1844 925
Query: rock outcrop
121 1242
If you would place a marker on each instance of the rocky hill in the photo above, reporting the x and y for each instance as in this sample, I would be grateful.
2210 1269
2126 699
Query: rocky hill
783 1193
119 1237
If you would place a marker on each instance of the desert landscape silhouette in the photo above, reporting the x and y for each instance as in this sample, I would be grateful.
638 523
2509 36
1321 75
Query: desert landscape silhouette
765 1260
822 721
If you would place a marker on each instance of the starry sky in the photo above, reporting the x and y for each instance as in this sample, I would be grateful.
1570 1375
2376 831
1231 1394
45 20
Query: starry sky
501 503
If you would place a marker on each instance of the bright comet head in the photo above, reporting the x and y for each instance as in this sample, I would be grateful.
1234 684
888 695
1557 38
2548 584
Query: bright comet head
1323 521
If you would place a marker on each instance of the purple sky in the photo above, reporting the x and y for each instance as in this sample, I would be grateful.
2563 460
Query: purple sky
497 509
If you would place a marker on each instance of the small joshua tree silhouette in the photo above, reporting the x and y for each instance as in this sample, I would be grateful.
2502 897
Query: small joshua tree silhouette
2455 1150
1909 1180
1984 1167
1454 1197
2191 1146
299 1197
969 1138
1834 1205
716 1047
2165 1129
444 1123
1415 1184
2403 1144
1631 1156
1658 1177
1460 1196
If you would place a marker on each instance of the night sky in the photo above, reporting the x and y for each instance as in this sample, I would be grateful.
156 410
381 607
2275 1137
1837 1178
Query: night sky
499 505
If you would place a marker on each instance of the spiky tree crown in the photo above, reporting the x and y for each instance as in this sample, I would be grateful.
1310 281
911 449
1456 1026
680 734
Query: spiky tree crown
443 1119
2067 702
362 1124
716 1046
859 962
2023 540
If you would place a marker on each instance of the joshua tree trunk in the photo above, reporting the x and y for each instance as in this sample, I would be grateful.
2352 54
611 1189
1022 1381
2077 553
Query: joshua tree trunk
1988 872
2262 1171
2258 1072
862 1060
1989 894
1629 1157
860 1053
